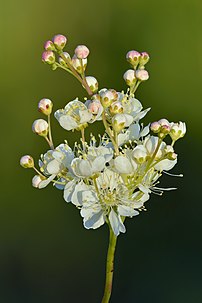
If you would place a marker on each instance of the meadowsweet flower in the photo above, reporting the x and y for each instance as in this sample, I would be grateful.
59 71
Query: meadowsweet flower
178 130
92 83
75 115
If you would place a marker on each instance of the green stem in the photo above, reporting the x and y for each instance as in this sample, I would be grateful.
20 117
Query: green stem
50 133
108 131
75 74
109 266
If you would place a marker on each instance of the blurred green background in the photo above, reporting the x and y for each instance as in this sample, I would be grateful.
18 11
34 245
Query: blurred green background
46 255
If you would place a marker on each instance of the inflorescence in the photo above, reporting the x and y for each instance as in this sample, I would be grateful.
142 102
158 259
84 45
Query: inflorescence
111 179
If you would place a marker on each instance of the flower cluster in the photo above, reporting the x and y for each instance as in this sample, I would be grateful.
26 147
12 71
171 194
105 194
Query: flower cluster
111 178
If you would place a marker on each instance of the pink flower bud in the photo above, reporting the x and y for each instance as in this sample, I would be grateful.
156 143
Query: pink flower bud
45 106
144 58
164 122
27 161
142 75
48 45
133 57
129 77
59 41
155 127
40 127
48 57
81 52
94 107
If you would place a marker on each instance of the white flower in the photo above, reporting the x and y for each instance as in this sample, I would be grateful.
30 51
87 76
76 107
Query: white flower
139 154
133 133
95 107
124 165
57 163
178 130
75 115
93 161
112 199
151 144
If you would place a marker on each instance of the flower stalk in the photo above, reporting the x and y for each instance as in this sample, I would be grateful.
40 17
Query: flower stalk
109 266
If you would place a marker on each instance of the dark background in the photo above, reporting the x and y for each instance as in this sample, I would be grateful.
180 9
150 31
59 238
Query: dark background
46 255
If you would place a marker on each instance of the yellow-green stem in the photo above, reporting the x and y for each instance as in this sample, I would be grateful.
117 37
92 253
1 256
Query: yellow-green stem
109 266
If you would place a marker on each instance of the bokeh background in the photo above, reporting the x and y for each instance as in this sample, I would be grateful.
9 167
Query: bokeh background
45 253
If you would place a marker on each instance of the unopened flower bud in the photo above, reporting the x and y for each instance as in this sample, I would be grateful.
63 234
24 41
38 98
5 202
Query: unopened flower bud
49 46
59 41
144 58
129 77
164 122
36 180
94 107
67 56
45 106
118 122
81 52
116 108
107 97
178 130
77 64
142 75
95 97
133 57
114 92
40 127
27 161
48 57
155 127
92 83
139 154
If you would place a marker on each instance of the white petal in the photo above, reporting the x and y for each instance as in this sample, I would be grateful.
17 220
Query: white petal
77 196
67 122
134 130
127 211
165 164
85 116
141 114
68 190
128 119
122 138
44 183
53 167
145 131
98 164
116 223
81 168
95 221
123 165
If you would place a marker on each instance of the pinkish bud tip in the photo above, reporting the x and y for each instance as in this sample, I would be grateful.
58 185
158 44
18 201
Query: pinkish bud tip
81 52
48 57
59 41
